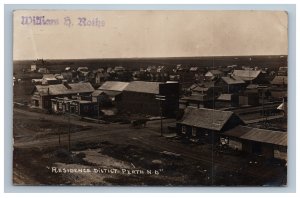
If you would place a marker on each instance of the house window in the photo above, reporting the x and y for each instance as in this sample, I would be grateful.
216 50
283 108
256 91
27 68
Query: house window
59 105
36 103
194 131
183 129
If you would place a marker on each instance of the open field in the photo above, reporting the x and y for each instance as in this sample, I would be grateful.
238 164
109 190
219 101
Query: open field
118 154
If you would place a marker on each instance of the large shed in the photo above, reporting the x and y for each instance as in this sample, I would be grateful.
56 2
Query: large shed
141 97
257 141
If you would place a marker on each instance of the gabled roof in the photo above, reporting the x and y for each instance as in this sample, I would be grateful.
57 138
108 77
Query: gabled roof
232 81
194 68
143 87
283 107
97 92
61 89
42 89
113 86
82 68
205 118
48 76
199 89
225 97
214 72
50 79
246 75
280 80
202 86
108 93
258 135
256 86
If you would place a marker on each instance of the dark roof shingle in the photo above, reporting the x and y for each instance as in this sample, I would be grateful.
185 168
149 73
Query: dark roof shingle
246 75
259 135
113 86
232 81
61 89
280 80
205 118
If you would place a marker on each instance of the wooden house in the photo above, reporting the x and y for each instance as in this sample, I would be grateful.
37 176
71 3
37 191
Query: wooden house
206 125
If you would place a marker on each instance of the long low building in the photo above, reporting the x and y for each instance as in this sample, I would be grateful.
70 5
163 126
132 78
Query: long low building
258 141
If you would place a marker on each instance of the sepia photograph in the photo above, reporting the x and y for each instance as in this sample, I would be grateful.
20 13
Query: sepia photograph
150 98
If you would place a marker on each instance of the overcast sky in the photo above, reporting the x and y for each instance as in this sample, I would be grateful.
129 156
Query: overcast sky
127 34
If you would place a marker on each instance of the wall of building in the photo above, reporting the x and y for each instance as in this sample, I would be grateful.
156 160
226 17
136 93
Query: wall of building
36 100
74 107
280 152
136 102
267 150
203 135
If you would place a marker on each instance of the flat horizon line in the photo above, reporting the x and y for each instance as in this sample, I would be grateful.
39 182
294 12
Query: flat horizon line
169 57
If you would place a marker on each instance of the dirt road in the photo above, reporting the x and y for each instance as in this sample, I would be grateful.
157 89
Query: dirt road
147 139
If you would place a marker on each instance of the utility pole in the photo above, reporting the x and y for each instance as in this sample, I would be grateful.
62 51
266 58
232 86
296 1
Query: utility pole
98 100
69 127
59 138
263 106
160 98
69 134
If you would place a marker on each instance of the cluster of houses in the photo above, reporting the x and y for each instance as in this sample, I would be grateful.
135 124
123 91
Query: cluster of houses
202 97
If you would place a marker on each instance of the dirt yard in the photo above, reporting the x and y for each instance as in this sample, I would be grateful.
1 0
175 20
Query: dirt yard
117 154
